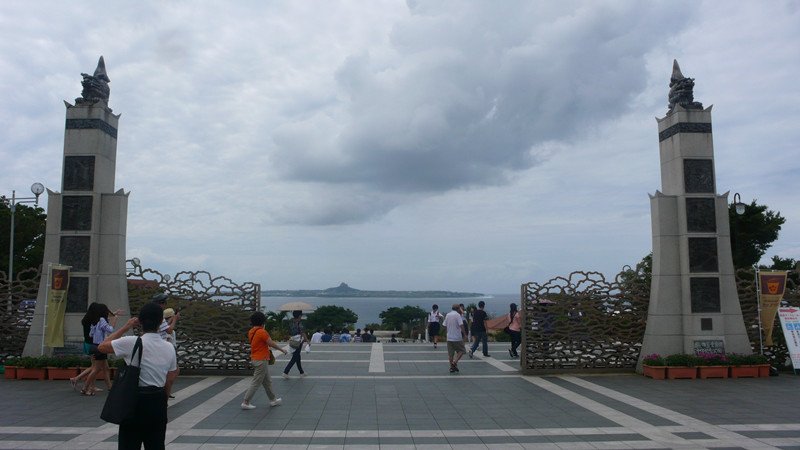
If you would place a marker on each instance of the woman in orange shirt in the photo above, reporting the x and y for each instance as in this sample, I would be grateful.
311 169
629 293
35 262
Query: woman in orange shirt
260 343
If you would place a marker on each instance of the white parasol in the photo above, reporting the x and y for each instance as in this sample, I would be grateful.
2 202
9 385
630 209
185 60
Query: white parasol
295 306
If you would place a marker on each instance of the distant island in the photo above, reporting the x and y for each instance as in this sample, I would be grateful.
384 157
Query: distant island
343 290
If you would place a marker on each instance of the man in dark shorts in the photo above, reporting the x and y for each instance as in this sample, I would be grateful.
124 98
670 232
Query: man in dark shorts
434 319
478 330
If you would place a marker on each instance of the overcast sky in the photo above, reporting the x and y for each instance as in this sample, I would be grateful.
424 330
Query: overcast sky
450 145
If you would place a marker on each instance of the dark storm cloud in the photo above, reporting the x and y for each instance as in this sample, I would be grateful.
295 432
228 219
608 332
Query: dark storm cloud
466 93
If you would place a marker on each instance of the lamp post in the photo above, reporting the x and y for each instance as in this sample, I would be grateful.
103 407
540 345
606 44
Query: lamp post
36 189
737 203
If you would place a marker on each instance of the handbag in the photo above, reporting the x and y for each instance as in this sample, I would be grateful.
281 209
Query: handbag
124 393
271 358
295 343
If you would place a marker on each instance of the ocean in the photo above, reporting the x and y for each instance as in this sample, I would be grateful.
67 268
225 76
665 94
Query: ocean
368 308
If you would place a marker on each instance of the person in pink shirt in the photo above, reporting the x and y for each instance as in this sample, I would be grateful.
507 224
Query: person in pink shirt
514 327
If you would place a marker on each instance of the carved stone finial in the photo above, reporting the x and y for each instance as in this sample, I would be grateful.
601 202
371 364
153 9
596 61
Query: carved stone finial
95 87
681 90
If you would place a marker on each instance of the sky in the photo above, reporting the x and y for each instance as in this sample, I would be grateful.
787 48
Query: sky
453 145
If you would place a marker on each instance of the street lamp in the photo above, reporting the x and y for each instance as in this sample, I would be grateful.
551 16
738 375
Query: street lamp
737 202
36 189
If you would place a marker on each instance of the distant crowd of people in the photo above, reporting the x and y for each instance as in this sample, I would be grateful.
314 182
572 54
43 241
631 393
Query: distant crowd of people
344 336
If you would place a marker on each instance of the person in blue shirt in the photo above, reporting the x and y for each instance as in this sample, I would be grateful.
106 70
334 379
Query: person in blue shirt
345 336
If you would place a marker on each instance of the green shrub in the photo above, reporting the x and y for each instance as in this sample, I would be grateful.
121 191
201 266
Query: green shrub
737 359
33 362
654 360
681 360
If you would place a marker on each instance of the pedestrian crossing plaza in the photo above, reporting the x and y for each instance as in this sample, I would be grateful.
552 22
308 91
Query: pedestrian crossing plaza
402 395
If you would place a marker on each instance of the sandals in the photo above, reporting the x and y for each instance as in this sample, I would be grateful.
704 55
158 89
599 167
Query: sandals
88 393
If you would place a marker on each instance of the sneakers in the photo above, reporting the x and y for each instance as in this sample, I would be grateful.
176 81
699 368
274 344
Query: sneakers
455 368
511 353
452 368
303 375
277 402
285 376
486 355
248 406
471 354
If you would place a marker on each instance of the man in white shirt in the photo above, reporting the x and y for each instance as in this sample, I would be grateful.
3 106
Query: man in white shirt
316 337
159 366
454 323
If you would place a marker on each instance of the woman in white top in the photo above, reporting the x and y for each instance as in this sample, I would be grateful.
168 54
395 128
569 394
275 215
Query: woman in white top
434 324
149 424
98 332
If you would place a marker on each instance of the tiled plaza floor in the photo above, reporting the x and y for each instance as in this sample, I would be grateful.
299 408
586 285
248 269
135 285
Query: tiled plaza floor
393 396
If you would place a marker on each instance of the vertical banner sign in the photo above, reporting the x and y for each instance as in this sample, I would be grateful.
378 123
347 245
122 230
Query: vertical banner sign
790 322
772 285
56 306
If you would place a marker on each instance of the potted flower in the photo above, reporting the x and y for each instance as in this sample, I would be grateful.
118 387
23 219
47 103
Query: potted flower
753 365
62 367
32 368
681 365
712 365
654 366
10 368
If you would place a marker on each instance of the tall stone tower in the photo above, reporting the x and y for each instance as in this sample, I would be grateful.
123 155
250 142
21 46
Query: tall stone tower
86 222
694 305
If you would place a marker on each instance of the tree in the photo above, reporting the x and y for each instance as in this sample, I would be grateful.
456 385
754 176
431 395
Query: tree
335 317
789 264
29 233
753 233
394 317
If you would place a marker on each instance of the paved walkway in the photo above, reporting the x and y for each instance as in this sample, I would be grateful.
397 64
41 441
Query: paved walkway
402 396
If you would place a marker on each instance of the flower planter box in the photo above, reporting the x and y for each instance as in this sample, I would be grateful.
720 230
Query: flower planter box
655 372
746 371
11 372
712 372
677 372
61 373
31 374
763 370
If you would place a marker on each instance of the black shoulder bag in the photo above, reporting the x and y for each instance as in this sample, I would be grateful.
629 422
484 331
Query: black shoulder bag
121 400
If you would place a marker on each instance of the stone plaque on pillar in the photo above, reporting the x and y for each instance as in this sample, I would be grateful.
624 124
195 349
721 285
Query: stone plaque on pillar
75 251
79 173
76 213
698 176
701 217
78 295
703 254
705 294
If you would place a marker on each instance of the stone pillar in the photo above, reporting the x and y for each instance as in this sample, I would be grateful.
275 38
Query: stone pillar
694 304
86 221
